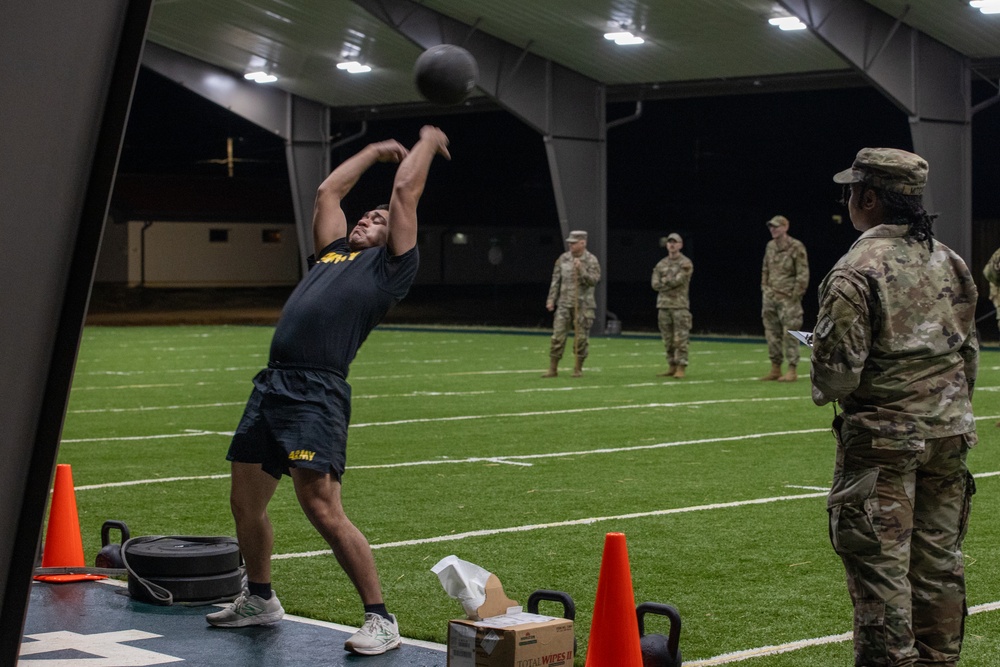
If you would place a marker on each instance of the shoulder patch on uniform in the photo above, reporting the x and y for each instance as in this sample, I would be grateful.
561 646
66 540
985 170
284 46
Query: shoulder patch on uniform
824 327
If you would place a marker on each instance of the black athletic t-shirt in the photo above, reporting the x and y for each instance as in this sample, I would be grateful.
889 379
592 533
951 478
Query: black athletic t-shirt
342 298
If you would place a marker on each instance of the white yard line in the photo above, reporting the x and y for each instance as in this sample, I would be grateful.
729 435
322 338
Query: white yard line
131 438
570 411
160 480
495 415
585 452
739 656
226 369
510 460
154 408
453 537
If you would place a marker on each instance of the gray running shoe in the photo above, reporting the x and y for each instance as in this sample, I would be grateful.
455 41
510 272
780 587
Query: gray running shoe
376 636
248 610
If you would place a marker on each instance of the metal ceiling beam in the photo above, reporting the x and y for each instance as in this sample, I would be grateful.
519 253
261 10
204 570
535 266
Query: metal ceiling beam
930 81
303 124
260 104
626 93
565 107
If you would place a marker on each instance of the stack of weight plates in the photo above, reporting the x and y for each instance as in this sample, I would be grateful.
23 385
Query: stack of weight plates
192 569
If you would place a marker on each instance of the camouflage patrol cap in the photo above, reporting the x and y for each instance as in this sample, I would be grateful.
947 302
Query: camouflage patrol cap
674 236
778 221
891 169
575 236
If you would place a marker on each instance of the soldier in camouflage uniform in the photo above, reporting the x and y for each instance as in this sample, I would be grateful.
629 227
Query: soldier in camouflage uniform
571 296
895 344
671 279
992 274
784 279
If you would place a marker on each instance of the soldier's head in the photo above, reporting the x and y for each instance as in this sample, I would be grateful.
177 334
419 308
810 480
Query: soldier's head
674 244
885 186
371 230
577 242
778 226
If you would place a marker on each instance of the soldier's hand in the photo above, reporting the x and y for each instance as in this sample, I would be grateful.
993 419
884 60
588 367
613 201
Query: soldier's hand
435 136
550 306
390 150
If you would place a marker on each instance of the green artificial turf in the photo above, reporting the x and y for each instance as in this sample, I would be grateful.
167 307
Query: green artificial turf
458 446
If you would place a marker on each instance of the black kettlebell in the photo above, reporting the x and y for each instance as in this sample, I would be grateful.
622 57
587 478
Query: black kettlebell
110 555
657 650
569 609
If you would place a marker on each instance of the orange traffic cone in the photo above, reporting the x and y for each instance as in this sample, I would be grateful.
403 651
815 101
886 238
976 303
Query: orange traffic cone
614 630
63 544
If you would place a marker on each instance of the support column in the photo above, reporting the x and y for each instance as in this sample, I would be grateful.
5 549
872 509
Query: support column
565 107
928 80
947 147
302 123
308 156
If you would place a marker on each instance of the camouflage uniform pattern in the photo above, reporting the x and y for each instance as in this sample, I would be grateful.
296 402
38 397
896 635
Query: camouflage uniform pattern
671 279
992 274
572 290
895 344
784 280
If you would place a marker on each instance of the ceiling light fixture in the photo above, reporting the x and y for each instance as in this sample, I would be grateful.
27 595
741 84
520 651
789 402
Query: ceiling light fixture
788 23
623 38
354 67
260 77
986 6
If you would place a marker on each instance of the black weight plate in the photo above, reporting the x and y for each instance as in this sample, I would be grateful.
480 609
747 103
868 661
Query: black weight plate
191 589
175 557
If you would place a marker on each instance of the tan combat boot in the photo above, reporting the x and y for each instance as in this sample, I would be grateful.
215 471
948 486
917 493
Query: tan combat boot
669 373
679 373
774 374
553 368
578 368
790 376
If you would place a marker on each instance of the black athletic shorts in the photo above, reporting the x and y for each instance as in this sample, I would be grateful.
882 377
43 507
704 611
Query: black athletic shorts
295 418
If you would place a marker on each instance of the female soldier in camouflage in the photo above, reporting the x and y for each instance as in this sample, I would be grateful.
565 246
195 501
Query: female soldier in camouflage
895 344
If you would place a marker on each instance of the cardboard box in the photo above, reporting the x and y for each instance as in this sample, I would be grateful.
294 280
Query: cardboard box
496 602
511 640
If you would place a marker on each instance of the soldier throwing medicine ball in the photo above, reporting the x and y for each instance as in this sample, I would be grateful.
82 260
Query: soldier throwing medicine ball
296 420
571 296
895 344
671 279
783 280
